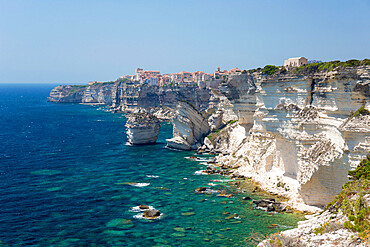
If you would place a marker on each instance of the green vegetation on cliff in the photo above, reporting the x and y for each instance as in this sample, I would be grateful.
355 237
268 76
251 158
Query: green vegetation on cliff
311 67
362 171
270 69
352 201
361 111
329 66
80 86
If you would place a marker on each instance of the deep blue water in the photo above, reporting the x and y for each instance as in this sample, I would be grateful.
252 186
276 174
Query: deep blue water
67 178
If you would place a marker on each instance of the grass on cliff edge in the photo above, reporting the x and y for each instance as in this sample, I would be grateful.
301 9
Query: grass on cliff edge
362 111
312 67
329 66
217 133
352 203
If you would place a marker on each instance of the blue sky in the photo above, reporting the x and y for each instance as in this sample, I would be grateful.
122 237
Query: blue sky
77 41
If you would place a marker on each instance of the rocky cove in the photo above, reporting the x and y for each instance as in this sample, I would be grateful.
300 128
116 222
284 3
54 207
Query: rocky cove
293 134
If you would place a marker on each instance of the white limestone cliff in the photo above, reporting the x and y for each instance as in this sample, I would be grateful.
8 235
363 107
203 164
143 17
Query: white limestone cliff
100 93
335 234
142 128
189 128
294 136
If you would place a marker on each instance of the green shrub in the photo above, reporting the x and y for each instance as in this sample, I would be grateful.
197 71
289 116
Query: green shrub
361 111
351 200
329 66
283 70
80 86
270 69
329 226
232 121
362 171
365 62
110 82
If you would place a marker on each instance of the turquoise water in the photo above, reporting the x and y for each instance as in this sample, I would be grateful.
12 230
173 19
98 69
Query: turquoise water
69 179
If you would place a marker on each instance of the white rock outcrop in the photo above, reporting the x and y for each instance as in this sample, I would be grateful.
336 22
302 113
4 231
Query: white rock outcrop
189 128
335 234
293 135
142 128
215 120
164 113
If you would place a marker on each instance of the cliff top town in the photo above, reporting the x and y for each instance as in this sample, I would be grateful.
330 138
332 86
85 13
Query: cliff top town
294 130
199 78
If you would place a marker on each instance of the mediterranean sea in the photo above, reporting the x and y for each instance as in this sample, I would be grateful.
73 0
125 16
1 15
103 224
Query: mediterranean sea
67 178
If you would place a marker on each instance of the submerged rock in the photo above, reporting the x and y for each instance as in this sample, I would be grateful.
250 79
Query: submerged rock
142 128
233 216
223 193
270 205
120 223
201 189
188 214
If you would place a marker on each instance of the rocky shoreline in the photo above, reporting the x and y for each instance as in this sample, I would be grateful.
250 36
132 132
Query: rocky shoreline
295 135
306 233
269 204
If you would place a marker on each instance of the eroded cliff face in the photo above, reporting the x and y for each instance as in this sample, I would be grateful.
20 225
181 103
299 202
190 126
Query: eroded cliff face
127 96
94 94
189 128
142 128
293 133
294 136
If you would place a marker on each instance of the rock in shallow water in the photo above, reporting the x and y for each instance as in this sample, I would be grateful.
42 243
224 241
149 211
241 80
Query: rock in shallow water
150 214
120 223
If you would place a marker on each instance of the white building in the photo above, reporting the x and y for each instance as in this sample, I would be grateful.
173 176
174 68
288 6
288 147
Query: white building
206 77
138 73
176 78
130 77
153 81
295 62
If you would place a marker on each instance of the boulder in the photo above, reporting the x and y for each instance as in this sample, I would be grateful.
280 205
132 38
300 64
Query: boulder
201 189
153 213
247 198
270 208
